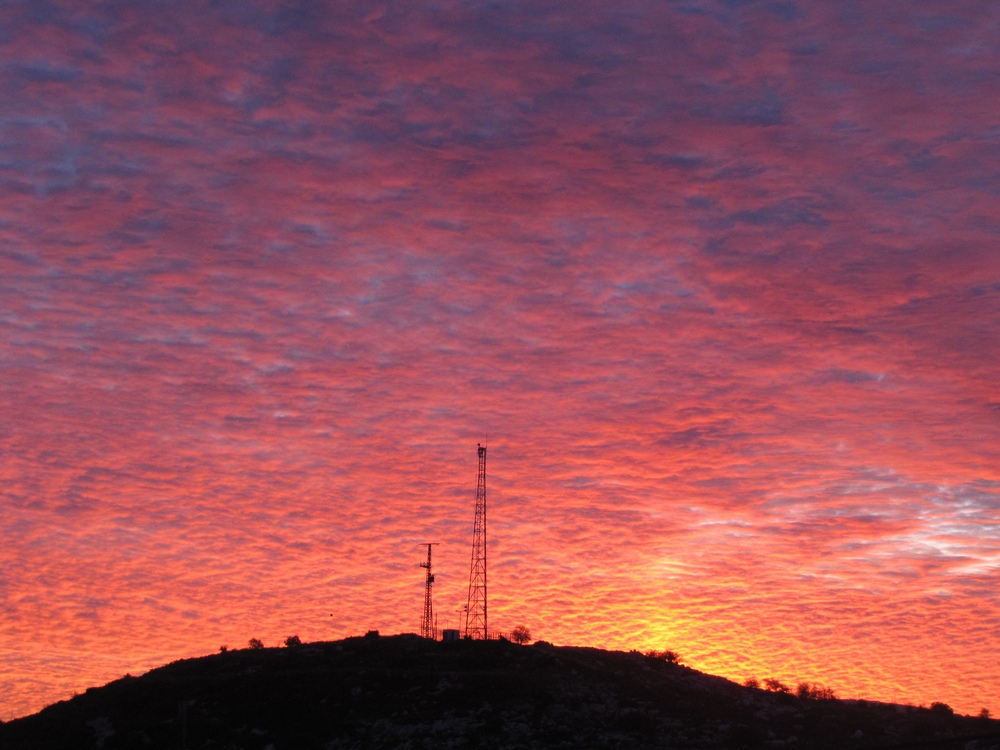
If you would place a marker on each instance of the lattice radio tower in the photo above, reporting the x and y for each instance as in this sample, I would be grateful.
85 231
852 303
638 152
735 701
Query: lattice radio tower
427 628
475 611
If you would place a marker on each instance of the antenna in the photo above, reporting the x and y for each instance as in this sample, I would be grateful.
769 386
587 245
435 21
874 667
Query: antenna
475 615
428 627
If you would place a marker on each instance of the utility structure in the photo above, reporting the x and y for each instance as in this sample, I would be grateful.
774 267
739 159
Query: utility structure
427 628
475 611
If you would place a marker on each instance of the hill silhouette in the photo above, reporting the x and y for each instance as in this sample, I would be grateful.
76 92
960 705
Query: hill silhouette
408 692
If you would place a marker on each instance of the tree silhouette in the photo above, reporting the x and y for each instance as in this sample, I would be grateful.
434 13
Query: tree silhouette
815 692
255 644
668 656
776 685
520 635
292 641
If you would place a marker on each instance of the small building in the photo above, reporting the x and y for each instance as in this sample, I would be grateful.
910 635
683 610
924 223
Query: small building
450 634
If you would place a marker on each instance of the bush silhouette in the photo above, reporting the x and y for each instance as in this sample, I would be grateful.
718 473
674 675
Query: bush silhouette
668 656
776 686
815 692
292 641
520 635
255 644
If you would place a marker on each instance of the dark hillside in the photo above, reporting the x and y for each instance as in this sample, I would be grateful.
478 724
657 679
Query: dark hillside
406 692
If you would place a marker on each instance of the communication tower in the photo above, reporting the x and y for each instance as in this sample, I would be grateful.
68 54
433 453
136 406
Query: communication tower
475 611
427 628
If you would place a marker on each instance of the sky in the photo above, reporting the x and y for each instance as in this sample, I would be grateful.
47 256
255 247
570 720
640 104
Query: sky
716 281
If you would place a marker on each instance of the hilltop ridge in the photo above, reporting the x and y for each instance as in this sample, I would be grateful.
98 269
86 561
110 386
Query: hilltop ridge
407 692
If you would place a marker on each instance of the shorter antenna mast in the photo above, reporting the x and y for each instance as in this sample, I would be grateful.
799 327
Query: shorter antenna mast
428 626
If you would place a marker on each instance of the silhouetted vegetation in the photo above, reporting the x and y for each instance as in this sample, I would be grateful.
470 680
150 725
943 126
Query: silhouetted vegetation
668 656
776 686
520 635
255 644
292 641
814 692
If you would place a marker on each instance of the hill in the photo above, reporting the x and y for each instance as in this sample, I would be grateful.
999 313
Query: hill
407 692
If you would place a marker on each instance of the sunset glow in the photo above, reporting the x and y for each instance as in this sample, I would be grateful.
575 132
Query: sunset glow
718 281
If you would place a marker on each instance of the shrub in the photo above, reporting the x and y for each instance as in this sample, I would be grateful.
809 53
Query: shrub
292 641
823 693
255 644
776 686
668 656
223 649
752 682
941 708
814 692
